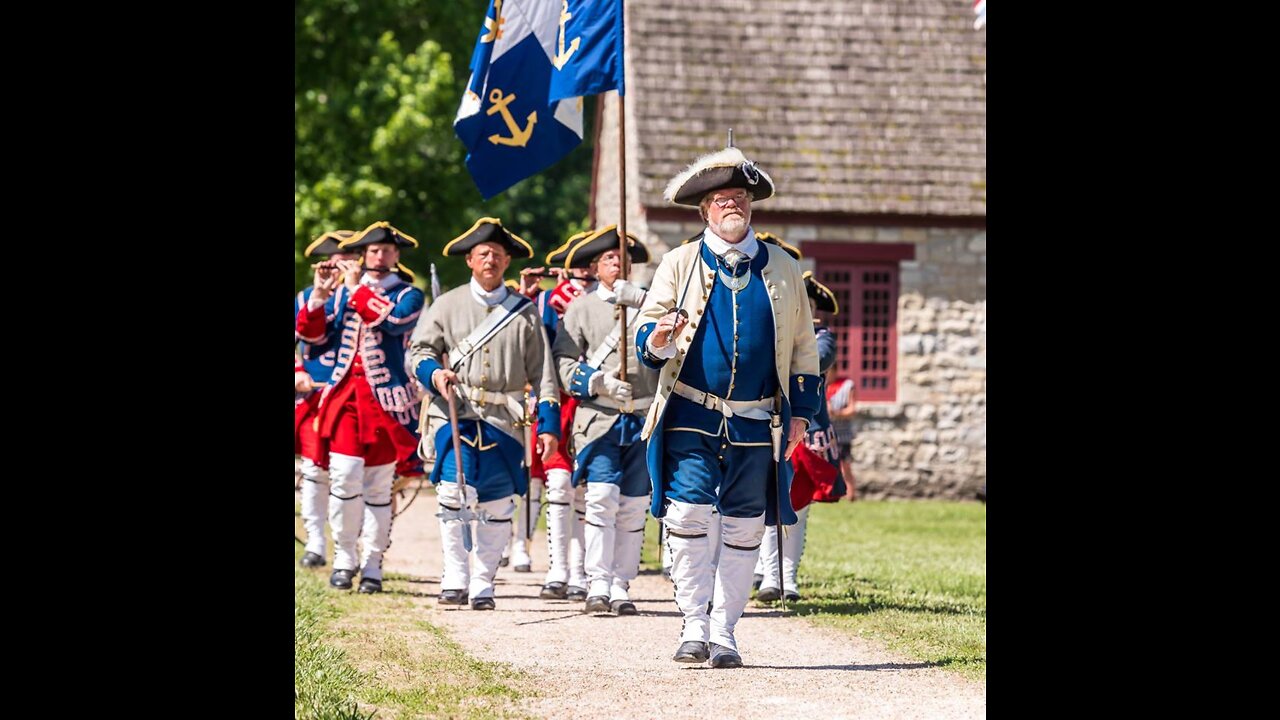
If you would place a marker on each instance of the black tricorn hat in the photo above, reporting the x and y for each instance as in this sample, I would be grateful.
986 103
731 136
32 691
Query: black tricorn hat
379 232
825 299
489 229
727 168
602 241
556 257
327 244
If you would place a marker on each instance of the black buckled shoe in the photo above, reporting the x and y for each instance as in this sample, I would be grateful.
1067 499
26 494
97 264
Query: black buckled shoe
554 590
311 559
453 597
724 657
597 604
504 561
341 579
756 579
791 596
768 594
483 604
370 586
524 568
576 593
692 651
624 607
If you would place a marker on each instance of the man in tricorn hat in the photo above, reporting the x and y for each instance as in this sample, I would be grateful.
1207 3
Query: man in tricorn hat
606 439
368 413
484 343
723 423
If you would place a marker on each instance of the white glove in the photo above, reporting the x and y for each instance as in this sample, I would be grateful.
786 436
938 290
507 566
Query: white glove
603 383
626 294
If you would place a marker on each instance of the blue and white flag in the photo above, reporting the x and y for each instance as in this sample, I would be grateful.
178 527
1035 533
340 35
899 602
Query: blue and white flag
509 127
588 58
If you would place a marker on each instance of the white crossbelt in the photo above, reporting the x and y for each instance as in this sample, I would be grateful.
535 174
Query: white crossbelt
611 341
487 330
752 409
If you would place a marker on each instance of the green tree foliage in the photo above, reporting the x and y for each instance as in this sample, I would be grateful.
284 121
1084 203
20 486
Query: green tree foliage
376 86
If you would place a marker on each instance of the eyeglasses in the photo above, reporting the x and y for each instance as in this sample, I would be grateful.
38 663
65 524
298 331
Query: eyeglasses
740 199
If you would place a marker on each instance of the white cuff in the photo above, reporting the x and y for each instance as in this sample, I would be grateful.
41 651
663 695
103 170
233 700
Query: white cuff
314 303
665 353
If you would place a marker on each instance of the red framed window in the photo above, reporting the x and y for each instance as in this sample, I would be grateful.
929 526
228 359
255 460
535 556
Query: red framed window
865 280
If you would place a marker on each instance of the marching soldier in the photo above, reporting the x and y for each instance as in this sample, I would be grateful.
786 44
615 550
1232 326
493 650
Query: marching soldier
606 436
723 423
368 413
477 348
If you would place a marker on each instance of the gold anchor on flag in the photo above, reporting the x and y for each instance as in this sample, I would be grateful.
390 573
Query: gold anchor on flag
519 138
493 24
563 57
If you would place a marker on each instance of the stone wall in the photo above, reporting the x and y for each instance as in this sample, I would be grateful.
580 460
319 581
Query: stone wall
932 442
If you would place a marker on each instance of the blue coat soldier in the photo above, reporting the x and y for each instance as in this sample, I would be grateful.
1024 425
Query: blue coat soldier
723 424
368 412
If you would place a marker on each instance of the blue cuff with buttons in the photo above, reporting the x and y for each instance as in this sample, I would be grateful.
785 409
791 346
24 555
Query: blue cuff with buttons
642 347
423 372
581 385
805 397
549 418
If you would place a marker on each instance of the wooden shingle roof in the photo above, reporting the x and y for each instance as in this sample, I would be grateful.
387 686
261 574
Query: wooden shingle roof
858 107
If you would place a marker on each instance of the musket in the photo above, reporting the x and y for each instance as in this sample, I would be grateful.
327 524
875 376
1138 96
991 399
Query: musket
464 512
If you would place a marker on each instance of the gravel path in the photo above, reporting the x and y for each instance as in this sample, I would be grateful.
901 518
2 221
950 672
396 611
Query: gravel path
620 667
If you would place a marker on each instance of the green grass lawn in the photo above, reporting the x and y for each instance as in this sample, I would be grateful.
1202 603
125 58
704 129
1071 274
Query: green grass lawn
912 575
362 656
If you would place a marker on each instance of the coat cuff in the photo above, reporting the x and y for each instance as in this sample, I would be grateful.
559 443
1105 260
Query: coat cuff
581 385
650 357
549 418
311 325
805 396
423 372
372 307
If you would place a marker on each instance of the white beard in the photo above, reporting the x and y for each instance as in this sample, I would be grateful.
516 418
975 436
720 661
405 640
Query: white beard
733 225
